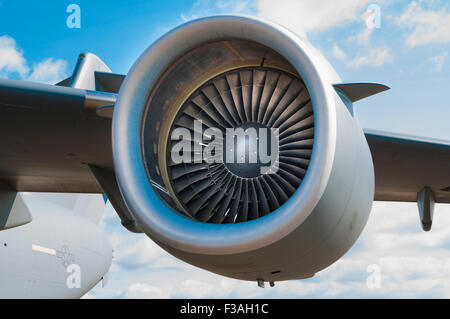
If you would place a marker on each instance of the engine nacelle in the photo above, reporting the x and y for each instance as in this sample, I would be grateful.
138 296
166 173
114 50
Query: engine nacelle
289 222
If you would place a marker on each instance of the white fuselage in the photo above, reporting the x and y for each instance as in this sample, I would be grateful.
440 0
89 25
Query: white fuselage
58 254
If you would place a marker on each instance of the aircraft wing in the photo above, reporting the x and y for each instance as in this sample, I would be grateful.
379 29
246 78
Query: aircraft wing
57 138
52 139
52 135
49 135
405 164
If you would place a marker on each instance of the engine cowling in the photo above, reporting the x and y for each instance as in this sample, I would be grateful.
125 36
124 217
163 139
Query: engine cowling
234 219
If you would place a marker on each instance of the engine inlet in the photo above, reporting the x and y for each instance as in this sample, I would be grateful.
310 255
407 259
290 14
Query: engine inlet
236 141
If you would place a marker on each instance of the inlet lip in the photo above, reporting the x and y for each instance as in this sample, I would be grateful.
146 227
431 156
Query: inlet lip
158 220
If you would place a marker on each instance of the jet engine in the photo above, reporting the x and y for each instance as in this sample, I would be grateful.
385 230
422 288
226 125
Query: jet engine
284 217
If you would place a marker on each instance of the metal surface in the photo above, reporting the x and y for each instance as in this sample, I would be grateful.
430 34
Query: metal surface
425 203
108 82
247 98
83 76
359 91
313 228
328 232
107 181
13 211
95 99
105 111
47 138
34 96
404 164
152 213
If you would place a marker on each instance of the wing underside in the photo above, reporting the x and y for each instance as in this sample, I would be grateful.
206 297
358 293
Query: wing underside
49 136
404 165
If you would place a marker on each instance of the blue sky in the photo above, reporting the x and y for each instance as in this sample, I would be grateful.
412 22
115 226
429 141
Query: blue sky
118 32
409 52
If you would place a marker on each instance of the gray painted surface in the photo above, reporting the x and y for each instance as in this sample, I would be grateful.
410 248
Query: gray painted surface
35 257
83 76
359 91
13 211
405 164
425 202
315 227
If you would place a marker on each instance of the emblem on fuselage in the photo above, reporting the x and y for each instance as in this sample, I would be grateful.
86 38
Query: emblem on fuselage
65 256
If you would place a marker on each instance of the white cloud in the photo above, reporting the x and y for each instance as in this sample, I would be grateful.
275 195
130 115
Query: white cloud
48 71
308 16
428 26
13 62
363 37
203 8
234 5
413 263
141 252
11 58
146 291
338 53
301 17
439 60
304 17
197 288
374 57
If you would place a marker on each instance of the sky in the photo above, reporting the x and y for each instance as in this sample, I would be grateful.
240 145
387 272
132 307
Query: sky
407 50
